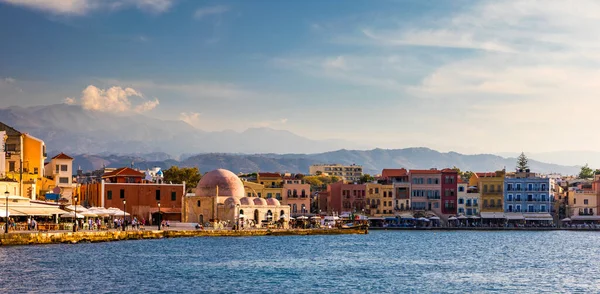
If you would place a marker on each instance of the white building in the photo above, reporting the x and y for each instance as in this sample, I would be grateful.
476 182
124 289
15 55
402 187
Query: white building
60 169
351 173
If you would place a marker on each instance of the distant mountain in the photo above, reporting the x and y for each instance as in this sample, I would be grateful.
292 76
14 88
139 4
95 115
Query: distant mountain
74 130
373 161
564 157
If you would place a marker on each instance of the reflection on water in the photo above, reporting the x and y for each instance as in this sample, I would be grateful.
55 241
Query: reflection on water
391 262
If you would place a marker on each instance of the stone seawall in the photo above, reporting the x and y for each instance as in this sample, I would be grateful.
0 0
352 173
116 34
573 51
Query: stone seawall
36 238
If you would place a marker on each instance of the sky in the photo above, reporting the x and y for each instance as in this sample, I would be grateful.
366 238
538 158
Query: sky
465 76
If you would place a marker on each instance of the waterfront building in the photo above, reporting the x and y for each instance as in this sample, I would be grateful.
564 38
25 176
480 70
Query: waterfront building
472 201
296 194
400 179
380 200
449 193
142 197
349 173
490 186
582 205
461 196
426 190
220 197
24 160
3 138
60 171
528 196
345 197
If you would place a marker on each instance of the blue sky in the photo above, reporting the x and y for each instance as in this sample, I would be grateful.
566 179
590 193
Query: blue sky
468 76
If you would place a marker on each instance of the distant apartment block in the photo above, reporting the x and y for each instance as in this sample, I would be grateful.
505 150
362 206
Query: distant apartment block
350 173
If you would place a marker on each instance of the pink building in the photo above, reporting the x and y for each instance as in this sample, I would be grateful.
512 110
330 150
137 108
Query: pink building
296 194
346 197
426 190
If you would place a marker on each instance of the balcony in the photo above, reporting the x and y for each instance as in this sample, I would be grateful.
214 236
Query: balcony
433 197
584 212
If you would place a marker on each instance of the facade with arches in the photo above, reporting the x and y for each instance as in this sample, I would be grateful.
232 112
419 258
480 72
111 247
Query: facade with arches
221 197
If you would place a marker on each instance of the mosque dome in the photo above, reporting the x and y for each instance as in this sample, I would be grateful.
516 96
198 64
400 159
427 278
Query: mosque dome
229 184
260 201
273 201
231 202
246 201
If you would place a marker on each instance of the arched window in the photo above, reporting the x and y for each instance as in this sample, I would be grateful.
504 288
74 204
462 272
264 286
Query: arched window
241 212
303 208
281 213
295 193
198 203
289 193
294 208
384 194
303 193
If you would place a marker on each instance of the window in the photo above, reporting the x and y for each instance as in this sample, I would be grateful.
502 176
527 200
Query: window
461 201
11 147
157 192
173 196
509 197
64 168
585 201
389 203
574 200
485 189
518 208
35 170
510 208
278 196
485 203
543 208
11 166
530 208
122 193
436 205
259 195
461 189
269 195
57 168
63 180
492 188
250 194
509 187
109 195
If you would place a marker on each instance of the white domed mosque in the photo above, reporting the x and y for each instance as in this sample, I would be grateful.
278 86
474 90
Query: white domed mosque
220 196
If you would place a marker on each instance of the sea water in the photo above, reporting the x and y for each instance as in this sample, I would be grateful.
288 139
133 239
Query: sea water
380 262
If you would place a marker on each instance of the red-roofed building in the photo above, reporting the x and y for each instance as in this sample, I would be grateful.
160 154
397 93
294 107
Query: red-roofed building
400 178
141 197
60 170
346 197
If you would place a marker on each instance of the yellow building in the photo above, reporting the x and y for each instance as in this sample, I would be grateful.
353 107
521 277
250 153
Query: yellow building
380 200
24 160
582 205
490 186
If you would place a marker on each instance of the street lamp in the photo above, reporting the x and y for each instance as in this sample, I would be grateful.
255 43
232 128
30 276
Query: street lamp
124 214
6 215
158 217
75 217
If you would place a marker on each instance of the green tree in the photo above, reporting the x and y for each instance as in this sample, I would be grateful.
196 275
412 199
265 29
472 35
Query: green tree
467 175
522 162
190 175
366 178
597 172
586 172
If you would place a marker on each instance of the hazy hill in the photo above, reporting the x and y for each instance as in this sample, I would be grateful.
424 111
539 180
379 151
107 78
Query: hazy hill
71 129
372 160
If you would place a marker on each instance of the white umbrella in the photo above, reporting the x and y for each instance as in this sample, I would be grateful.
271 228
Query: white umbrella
316 217
302 217
475 217
71 215
452 218
434 218
462 217
3 213
87 214
283 216
241 216
565 220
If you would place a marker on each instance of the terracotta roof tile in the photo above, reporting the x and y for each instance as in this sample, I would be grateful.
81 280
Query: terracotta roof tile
393 172
269 175
425 171
124 171
62 156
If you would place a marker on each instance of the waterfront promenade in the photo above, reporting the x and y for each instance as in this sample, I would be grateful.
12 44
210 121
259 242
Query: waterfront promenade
55 237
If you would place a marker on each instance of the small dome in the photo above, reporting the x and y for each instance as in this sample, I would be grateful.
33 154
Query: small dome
229 184
273 201
231 202
246 201
260 201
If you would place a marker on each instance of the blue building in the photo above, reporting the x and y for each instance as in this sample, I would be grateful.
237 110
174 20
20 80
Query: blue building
526 192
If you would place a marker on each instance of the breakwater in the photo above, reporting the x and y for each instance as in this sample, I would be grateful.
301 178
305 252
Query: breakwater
36 238
483 229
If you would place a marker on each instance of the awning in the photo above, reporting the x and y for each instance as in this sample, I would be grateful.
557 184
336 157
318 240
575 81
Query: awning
434 218
376 218
34 210
492 215
514 216
407 216
538 217
165 210
585 217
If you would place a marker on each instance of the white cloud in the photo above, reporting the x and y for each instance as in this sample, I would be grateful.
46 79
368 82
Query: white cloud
210 10
115 99
335 63
83 7
10 80
271 123
69 101
192 118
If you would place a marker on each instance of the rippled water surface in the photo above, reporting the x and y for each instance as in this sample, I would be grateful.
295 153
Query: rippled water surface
381 262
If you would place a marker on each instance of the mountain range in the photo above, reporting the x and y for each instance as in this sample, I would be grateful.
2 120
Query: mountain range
72 129
373 161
